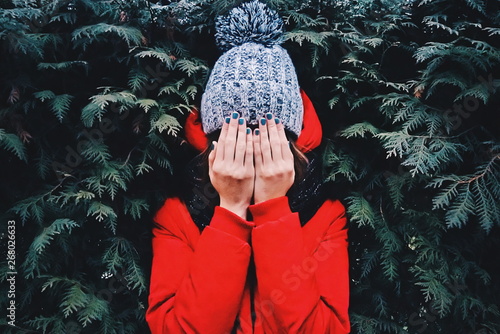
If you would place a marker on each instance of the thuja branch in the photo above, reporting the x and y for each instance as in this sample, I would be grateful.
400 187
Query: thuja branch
485 171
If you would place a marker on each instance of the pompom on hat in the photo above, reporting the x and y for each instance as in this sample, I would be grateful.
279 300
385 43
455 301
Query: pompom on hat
255 75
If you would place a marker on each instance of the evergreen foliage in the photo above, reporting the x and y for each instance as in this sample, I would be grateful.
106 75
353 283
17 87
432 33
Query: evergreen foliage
93 98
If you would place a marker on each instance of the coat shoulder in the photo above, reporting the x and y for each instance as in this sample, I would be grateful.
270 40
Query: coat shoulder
174 220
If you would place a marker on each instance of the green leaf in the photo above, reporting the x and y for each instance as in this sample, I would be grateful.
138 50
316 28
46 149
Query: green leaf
93 33
31 207
96 152
161 54
478 5
424 154
13 144
60 105
316 38
190 66
62 225
91 112
123 100
167 123
63 66
121 254
44 95
103 212
135 207
45 323
359 130
94 309
360 210
172 88
143 168
74 298
137 79
146 104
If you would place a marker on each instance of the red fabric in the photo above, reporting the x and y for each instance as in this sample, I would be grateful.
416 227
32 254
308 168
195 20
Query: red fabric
194 131
309 138
311 134
199 282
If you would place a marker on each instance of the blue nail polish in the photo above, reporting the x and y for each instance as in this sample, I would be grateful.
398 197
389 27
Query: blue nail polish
263 121
257 132
235 115
277 120
269 115
241 121
212 147
228 120
248 131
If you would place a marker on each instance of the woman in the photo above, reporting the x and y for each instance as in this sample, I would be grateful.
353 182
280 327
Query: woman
268 252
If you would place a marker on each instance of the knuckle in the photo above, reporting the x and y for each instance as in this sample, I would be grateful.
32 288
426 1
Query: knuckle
241 176
219 170
266 173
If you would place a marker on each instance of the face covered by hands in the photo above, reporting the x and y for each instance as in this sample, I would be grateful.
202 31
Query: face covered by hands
245 166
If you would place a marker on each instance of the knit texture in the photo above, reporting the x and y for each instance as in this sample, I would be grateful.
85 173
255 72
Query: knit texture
255 75
251 22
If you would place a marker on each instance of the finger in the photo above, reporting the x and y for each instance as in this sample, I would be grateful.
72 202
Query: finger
264 142
249 164
211 157
274 139
241 143
230 140
257 152
286 151
222 139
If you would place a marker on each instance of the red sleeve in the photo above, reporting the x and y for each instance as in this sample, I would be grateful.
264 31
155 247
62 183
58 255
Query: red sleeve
309 291
197 287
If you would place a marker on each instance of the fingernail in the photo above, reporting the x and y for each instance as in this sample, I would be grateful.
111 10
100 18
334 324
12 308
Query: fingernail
228 120
212 147
263 121
277 120
241 121
248 131
257 132
269 115
235 115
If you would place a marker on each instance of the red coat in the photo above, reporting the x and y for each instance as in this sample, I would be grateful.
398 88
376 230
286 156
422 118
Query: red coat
199 282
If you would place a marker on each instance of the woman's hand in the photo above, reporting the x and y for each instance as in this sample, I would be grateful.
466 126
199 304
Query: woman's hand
230 166
274 163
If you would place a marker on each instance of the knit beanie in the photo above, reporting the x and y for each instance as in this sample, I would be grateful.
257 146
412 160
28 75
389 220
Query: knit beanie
254 75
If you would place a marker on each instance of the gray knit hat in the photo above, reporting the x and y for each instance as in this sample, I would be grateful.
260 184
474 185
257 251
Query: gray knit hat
255 75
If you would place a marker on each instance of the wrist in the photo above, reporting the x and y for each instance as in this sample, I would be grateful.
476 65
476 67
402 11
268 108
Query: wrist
259 198
239 209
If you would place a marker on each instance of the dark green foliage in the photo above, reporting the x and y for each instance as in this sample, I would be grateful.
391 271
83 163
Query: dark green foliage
93 96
